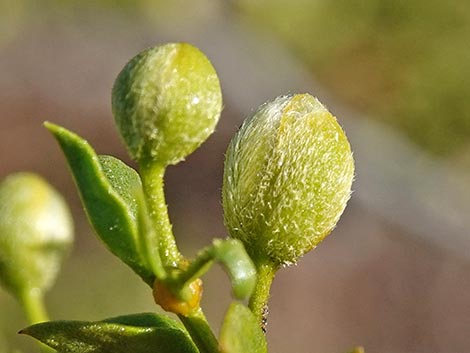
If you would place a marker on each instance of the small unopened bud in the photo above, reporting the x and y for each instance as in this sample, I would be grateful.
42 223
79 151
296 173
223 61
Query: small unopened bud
169 302
35 232
287 179
166 102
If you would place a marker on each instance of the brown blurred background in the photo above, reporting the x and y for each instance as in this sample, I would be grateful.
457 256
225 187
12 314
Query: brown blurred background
395 274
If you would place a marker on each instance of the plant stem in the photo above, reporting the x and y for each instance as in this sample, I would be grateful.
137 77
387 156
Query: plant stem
32 302
152 181
197 267
200 332
148 241
260 297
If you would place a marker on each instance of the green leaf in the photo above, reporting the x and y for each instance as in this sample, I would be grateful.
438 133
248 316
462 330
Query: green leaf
231 254
138 333
241 332
123 179
106 188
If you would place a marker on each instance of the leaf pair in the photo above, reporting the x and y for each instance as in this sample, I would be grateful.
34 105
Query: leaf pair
147 333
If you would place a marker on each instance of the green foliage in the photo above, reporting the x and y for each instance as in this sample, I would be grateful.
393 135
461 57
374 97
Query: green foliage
288 176
111 193
241 332
231 254
138 333
234 259
287 179
108 200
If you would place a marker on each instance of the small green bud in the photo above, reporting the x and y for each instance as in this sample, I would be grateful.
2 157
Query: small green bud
287 179
35 232
166 102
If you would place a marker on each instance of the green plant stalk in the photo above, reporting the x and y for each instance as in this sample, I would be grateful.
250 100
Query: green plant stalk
152 182
32 302
260 297
200 331
196 268
147 235
179 284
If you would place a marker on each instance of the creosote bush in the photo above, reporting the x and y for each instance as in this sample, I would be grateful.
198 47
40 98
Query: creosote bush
287 178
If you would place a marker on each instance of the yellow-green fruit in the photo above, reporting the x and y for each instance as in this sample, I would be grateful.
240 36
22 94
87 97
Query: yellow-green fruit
166 102
287 179
35 233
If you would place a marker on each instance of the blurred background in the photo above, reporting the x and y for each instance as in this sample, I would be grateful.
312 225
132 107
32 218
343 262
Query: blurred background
395 274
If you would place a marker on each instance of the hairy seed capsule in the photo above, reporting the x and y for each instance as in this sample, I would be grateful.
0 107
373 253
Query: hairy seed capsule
287 179
35 232
166 102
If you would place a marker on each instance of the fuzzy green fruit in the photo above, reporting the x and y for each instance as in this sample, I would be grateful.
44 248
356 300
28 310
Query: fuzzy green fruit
35 232
166 102
287 179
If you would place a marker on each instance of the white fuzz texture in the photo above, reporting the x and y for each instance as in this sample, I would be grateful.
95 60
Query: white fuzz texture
166 102
287 178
